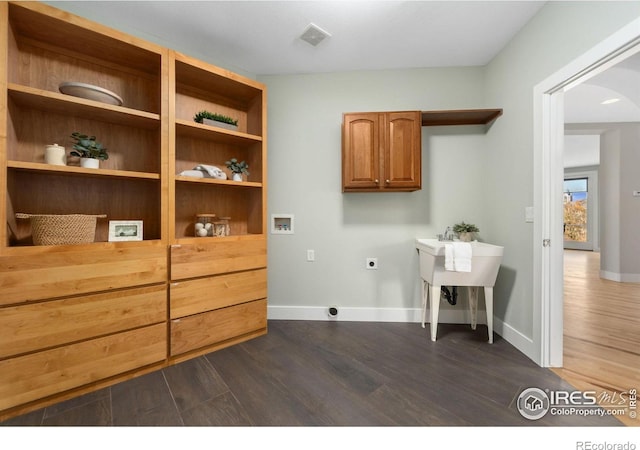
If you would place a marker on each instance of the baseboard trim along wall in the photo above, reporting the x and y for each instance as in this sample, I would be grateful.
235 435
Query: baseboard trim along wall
517 339
350 314
620 277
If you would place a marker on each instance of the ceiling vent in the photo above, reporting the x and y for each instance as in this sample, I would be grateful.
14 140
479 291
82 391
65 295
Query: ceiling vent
314 34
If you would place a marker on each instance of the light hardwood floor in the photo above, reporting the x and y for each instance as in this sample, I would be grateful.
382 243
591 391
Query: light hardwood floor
601 329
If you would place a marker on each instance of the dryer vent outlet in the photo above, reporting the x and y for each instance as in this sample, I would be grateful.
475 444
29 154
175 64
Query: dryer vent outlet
333 311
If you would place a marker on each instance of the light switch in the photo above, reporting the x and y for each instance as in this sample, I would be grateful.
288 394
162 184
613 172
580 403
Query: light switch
528 214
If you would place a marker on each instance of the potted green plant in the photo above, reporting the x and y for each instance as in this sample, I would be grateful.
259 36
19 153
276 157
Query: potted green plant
215 119
88 150
465 231
237 168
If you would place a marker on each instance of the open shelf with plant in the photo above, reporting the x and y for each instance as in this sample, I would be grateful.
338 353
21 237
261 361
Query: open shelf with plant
205 91
203 87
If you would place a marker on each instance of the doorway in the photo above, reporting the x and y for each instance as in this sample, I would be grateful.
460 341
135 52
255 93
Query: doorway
548 182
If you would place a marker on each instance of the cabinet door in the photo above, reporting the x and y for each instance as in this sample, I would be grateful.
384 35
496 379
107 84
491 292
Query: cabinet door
402 156
361 151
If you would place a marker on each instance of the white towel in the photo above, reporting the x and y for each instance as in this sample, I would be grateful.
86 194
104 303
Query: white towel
205 171
457 257
448 257
211 171
192 173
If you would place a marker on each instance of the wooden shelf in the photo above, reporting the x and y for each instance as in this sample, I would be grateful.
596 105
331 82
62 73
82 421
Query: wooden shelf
199 131
214 181
55 28
74 106
193 73
73 170
460 117
220 239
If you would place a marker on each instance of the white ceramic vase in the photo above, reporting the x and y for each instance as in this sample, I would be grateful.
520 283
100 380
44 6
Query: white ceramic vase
236 177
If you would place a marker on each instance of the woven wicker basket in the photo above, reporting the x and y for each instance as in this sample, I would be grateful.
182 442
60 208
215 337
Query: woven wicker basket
54 229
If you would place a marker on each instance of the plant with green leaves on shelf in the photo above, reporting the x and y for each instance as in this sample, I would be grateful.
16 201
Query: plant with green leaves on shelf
87 147
237 167
199 117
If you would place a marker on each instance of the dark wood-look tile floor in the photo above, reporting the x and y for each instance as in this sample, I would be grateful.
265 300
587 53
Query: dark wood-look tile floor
329 374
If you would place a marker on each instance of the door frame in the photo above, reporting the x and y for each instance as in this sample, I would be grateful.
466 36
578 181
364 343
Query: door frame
548 127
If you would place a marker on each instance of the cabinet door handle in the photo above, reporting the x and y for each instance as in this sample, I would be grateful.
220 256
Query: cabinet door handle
377 181
387 181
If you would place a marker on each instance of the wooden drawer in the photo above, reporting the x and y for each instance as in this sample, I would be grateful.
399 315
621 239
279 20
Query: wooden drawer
44 272
216 326
38 375
217 256
37 326
206 294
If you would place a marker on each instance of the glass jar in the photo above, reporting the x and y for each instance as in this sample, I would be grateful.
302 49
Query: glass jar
204 226
225 225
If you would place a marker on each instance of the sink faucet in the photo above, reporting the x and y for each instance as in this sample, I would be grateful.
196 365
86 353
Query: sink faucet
448 235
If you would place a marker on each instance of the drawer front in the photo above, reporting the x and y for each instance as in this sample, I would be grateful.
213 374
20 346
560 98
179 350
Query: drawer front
32 377
37 326
217 257
206 294
209 328
73 270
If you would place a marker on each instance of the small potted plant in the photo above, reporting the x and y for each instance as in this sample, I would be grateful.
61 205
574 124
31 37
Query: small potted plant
88 150
218 120
237 169
465 231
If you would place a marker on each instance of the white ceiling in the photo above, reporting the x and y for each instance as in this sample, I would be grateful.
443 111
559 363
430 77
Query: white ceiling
583 103
262 38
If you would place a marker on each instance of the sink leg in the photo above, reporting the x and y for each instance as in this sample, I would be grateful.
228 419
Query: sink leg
473 305
425 296
488 298
435 309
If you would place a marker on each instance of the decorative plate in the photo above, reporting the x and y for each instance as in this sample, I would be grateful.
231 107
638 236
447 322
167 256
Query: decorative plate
90 92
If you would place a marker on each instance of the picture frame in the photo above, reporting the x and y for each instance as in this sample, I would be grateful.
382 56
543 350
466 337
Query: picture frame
125 230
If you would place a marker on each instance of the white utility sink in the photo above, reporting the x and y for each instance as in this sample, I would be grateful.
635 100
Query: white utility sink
485 263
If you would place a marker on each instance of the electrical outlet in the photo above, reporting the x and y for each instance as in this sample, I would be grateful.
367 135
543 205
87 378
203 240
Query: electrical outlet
311 255
372 263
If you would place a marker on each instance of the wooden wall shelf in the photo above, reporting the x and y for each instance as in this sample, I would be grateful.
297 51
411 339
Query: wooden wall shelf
460 117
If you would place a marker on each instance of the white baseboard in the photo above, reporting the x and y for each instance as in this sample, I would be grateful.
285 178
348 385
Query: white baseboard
523 343
620 277
347 314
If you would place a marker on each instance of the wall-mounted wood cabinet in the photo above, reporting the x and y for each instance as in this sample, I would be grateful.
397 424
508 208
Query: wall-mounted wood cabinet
76 318
381 151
